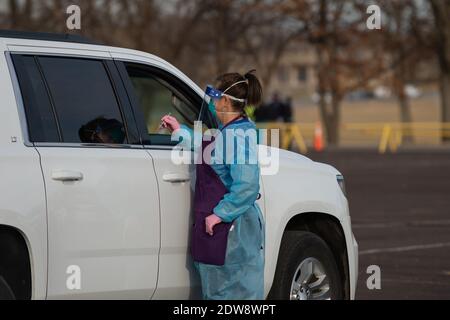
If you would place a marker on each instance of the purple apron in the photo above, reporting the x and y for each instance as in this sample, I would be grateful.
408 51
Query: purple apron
209 191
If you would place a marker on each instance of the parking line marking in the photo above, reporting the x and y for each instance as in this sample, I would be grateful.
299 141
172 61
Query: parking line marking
407 248
417 281
401 224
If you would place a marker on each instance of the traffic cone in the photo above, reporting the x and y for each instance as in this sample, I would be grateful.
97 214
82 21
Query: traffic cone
318 137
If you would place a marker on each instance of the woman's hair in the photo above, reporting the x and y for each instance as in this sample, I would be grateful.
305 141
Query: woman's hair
250 91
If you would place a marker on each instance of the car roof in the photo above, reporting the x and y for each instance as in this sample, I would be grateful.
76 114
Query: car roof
46 36
72 41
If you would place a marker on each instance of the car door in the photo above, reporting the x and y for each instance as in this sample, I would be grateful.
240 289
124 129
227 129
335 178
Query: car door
101 189
155 92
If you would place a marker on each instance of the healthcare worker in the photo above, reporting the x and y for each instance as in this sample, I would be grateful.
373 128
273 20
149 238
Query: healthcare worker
228 238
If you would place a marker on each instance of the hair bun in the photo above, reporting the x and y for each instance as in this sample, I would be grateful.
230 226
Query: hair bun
254 92
248 73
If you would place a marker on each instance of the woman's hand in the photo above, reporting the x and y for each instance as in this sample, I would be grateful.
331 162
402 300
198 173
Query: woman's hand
210 222
170 122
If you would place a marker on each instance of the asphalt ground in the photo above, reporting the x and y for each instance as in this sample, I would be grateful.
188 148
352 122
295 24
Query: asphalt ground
400 210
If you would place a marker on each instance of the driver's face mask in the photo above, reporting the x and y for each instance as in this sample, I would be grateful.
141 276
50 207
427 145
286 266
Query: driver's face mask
212 95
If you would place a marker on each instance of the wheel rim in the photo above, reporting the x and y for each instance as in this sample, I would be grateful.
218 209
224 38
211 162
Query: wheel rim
310 281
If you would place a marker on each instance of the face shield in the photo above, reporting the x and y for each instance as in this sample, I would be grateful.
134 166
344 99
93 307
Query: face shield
208 113
212 95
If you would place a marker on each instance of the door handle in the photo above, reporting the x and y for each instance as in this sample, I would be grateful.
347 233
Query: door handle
66 175
176 177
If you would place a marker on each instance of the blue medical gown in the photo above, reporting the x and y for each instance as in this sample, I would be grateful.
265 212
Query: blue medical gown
242 275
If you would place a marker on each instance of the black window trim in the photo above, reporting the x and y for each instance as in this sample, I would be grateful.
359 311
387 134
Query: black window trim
174 81
50 97
114 83
19 100
123 102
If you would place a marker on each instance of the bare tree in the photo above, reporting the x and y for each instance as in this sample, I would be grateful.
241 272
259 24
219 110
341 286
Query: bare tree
441 10
208 37
397 44
334 29
268 37
188 16
20 12
350 56
404 47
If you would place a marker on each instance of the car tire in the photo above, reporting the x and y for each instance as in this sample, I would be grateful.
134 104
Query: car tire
5 290
306 269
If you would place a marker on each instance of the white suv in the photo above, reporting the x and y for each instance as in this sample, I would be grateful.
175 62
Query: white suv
86 216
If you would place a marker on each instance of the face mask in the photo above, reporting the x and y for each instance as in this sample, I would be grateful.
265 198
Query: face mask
212 109
214 112
215 95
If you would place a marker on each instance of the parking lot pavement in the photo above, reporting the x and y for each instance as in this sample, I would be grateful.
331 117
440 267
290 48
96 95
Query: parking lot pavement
400 209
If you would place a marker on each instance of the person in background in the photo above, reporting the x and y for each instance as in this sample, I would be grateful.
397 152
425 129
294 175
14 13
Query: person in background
271 112
287 110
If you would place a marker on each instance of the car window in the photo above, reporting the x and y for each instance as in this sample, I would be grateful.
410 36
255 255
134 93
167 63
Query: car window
84 100
157 97
41 121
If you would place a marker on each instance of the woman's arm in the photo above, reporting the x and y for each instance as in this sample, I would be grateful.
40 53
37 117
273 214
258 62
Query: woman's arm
179 130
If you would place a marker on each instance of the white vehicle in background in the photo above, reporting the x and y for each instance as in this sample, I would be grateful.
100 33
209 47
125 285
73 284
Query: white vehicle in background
116 216
412 91
382 92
